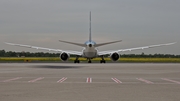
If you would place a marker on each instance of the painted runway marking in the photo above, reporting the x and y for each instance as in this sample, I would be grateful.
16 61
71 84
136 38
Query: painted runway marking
12 79
116 80
170 80
144 80
61 80
34 80
89 80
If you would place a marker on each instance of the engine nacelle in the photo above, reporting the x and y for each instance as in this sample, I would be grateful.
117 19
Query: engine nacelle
64 56
114 56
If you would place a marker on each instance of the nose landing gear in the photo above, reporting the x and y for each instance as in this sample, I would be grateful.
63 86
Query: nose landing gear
89 61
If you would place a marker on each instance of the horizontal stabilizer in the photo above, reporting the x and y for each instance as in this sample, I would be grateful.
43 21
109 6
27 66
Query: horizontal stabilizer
106 43
73 43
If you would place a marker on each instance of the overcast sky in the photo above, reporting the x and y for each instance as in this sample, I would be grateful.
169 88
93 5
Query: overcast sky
136 22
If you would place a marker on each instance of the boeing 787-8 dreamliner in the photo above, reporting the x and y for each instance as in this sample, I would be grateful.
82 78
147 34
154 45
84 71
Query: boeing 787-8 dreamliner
90 50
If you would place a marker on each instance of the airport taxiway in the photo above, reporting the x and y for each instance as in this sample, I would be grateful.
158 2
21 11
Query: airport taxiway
89 82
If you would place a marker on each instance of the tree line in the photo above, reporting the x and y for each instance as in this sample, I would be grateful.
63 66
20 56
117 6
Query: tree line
3 53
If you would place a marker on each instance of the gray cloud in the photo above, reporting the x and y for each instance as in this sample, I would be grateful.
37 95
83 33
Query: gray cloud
136 22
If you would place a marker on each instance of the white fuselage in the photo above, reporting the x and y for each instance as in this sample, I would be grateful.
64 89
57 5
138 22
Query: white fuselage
90 51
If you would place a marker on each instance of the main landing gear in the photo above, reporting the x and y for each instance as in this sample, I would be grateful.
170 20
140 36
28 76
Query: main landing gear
102 61
76 61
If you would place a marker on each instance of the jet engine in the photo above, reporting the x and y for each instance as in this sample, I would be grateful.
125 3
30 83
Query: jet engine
114 56
64 56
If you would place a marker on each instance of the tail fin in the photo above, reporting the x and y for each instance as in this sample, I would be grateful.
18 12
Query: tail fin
90 27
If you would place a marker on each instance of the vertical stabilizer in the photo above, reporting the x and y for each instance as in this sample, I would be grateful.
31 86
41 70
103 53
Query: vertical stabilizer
90 27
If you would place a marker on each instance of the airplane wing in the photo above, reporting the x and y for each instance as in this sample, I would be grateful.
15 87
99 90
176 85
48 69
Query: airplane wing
130 49
48 49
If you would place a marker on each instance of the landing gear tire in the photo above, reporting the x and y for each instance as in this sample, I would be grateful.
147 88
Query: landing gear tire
89 61
76 61
102 61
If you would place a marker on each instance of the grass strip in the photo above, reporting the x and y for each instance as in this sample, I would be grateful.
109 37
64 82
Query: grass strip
52 59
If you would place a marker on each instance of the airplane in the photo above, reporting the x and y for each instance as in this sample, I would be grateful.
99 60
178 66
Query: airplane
90 50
